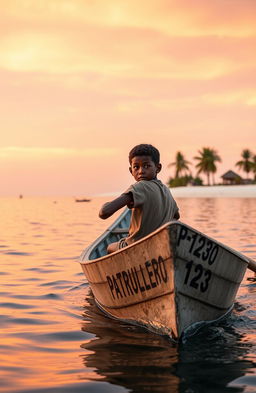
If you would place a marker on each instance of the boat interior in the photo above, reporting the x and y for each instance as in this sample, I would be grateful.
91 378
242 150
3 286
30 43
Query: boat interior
114 233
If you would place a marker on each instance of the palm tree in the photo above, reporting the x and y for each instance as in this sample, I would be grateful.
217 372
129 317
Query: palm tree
245 164
254 166
180 163
216 158
206 162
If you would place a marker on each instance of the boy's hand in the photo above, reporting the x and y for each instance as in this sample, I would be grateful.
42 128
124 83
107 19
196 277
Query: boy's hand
130 205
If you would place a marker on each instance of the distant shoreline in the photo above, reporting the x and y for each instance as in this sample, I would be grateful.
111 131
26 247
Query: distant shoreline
220 191
241 191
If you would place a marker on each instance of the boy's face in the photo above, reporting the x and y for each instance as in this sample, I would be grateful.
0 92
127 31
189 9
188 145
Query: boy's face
143 168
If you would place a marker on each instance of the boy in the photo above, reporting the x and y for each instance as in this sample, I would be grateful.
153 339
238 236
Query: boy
150 200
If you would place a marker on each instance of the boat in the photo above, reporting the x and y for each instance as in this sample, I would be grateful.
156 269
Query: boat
172 282
82 200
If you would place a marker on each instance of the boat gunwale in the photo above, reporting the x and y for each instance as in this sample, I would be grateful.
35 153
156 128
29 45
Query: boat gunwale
89 249
84 258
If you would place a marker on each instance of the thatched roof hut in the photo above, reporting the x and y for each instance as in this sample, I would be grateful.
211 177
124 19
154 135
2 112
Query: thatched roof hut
230 177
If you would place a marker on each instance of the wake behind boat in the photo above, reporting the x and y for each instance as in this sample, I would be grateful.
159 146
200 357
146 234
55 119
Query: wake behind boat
172 282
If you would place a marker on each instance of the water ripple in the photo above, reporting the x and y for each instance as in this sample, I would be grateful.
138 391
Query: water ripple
27 321
58 283
42 270
19 253
74 335
37 348
16 306
53 296
88 387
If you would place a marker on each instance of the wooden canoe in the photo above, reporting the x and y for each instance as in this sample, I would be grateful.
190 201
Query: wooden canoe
172 281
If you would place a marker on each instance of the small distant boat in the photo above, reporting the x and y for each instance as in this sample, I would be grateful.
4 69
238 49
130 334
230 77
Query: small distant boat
83 200
172 282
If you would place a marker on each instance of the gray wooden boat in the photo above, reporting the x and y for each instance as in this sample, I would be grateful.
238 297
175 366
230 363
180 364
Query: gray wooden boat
172 282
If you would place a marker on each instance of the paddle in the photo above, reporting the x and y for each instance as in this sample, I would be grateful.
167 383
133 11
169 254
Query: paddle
252 265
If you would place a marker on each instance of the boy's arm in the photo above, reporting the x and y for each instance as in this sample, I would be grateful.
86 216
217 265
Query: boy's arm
110 208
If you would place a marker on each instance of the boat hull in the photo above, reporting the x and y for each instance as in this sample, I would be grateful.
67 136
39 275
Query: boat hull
170 281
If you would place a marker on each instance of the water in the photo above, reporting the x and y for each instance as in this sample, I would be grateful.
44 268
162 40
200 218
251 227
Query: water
54 339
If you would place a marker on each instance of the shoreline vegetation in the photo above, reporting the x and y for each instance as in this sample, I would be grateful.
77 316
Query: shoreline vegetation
206 164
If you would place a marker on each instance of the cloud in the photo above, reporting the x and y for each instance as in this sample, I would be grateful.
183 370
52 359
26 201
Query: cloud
37 153
165 39
134 55
173 17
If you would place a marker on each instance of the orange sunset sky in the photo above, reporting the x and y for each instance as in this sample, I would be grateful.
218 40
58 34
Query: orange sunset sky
83 81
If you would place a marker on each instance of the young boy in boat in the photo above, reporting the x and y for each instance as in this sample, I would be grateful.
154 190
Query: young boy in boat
151 201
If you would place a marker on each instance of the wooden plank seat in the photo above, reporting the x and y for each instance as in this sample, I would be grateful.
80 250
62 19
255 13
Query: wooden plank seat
120 230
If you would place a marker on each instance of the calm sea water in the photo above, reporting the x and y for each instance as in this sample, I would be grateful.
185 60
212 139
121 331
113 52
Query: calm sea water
54 339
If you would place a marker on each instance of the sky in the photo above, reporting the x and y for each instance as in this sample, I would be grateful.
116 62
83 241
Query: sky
83 81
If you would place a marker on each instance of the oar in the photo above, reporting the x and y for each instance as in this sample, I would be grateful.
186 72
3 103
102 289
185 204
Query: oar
252 265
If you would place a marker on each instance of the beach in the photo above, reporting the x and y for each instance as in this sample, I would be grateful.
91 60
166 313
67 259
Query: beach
241 191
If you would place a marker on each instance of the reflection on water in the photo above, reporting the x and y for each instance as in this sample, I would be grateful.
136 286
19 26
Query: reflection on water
128 355
54 339
142 361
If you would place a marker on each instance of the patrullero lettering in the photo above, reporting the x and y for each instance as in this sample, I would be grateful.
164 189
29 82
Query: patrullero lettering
133 281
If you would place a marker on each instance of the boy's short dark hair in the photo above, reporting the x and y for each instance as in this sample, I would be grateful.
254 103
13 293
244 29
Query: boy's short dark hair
145 150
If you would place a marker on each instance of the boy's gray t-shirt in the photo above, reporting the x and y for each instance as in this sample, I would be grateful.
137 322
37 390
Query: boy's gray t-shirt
153 206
